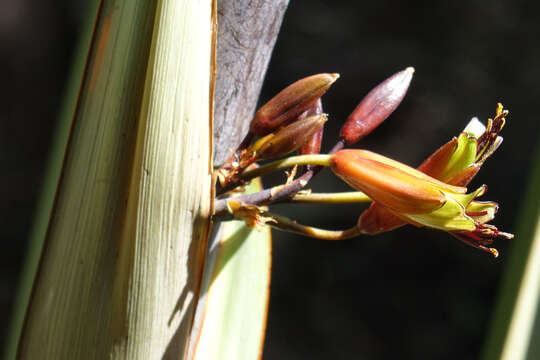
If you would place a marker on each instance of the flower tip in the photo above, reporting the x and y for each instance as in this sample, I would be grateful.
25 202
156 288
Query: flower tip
335 76
410 70
475 127
500 109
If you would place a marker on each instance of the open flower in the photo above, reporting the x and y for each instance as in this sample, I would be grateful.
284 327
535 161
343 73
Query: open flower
414 197
455 163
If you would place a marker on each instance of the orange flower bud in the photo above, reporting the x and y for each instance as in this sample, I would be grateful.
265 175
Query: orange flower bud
290 103
394 185
376 106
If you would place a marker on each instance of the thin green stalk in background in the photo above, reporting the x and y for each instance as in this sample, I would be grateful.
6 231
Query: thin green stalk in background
515 328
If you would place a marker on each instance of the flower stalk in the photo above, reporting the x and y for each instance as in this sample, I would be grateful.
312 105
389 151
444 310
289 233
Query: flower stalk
300 160
331 198
255 217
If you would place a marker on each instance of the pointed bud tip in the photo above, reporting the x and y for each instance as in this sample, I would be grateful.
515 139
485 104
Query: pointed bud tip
376 106
335 76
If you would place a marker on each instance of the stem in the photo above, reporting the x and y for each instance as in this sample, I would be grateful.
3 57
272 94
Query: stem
338 146
286 224
264 197
322 160
275 194
332 198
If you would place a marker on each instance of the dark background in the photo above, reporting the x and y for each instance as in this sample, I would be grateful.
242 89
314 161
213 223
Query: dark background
408 294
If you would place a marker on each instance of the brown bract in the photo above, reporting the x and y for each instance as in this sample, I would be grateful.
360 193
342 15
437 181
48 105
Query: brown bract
289 138
313 144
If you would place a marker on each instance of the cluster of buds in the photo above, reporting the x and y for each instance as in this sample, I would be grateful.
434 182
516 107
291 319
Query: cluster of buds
298 103
433 195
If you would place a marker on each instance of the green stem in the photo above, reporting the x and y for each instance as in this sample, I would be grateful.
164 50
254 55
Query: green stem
331 198
286 224
323 160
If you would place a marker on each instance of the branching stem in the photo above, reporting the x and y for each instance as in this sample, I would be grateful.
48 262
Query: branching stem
277 193
266 196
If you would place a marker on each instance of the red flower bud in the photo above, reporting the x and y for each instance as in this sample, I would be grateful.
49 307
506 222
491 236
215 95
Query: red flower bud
290 103
376 106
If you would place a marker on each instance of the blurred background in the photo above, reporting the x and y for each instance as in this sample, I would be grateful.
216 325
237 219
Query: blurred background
407 294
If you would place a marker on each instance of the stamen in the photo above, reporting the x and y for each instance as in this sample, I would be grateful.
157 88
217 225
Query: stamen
467 238
487 140
483 139
505 235
494 252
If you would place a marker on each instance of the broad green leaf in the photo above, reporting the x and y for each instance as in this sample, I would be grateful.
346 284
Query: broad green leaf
120 269
233 317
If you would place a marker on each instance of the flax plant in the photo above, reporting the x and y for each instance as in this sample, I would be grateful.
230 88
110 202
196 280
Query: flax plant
122 257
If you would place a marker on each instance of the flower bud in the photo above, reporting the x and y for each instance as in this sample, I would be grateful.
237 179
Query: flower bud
394 185
376 106
290 103
313 144
289 138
